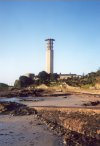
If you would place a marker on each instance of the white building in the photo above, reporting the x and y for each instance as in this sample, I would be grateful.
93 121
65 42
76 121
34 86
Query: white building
66 76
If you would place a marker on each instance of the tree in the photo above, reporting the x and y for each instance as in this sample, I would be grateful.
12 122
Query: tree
23 82
54 77
98 72
3 86
17 84
44 77
31 76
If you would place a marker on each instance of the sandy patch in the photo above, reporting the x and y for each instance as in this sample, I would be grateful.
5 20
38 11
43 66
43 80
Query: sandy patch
63 101
25 131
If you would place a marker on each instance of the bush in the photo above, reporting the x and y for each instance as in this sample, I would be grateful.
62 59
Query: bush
17 84
3 86
44 77
84 80
23 82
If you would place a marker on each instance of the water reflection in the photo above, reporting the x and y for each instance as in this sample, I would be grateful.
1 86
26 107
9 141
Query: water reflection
21 99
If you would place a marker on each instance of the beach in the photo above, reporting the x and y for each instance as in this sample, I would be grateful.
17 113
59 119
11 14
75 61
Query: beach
26 131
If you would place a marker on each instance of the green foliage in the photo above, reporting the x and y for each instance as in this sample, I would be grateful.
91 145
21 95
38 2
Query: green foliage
44 77
3 86
23 82
87 86
83 81
31 76
54 77
17 84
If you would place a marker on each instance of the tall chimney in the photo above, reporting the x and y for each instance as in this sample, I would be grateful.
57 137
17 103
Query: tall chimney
49 56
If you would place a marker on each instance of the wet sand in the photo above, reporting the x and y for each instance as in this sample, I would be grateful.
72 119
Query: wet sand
26 131
63 101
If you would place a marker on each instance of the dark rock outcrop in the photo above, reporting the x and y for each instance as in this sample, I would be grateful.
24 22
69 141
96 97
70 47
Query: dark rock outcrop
24 92
15 109
77 128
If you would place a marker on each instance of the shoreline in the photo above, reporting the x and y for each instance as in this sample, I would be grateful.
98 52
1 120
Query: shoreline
72 124
50 92
67 115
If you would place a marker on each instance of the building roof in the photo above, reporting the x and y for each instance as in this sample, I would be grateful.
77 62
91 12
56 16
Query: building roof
68 74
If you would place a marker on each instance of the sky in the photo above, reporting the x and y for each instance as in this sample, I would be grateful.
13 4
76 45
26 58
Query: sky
24 26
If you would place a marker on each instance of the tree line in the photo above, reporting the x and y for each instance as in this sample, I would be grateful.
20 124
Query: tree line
42 78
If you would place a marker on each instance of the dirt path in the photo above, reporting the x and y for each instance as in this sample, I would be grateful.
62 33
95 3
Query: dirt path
25 131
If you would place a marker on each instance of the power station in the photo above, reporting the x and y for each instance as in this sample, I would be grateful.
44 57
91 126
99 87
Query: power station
49 56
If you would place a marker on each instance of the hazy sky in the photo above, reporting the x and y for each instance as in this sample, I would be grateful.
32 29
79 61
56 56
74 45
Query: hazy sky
24 25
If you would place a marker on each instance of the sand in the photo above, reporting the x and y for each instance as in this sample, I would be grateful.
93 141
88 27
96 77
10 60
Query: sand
26 131
64 101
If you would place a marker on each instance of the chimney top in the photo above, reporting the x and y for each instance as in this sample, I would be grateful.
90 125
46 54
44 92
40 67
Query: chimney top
49 39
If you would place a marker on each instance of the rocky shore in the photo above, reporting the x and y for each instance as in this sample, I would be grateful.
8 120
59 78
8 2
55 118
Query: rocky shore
15 109
19 126
26 92
77 126
39 92
21 93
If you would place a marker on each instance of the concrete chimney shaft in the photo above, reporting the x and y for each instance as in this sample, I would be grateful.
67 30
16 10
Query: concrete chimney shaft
49 56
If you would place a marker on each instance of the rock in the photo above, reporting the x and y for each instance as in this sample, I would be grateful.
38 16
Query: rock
16 109
76 127
92 103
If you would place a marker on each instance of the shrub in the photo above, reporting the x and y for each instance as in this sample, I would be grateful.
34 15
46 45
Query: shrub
23 82
3 86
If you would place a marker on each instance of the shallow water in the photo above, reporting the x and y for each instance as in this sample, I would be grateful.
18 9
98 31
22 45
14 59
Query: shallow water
21 99
14 99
